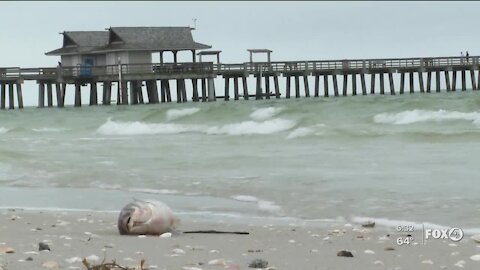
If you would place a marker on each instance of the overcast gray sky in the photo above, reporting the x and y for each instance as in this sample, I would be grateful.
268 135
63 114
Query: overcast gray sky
293 30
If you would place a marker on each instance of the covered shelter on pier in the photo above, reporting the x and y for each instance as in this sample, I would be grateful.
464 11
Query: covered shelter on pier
129 45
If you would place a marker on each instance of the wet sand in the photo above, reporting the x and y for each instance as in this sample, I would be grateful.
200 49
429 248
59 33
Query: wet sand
73 236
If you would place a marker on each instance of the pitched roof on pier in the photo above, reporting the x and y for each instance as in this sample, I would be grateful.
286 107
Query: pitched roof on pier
75 42
129 39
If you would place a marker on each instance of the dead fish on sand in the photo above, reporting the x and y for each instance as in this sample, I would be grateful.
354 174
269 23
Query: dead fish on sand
148 217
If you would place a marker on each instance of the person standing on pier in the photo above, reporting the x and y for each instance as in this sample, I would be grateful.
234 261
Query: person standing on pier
467 55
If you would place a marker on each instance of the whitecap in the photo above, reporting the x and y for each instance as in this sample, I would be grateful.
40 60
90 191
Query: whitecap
174 114
153 191
141 128
300 132
417 116
251 127
3 130
49 129
265 113
245 198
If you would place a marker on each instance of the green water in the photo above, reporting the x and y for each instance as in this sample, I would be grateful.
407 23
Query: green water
409 157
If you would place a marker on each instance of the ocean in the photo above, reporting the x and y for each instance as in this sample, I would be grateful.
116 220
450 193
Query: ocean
409 158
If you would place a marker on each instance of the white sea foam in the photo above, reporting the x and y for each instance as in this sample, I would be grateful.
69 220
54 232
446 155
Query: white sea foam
250 127
48 129
242 128
3 130
142 128
417 116
263 205
265 113
300 132
245 198
174 114
392 223
153 191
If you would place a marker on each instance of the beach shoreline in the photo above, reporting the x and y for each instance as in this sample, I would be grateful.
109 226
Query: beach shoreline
72 236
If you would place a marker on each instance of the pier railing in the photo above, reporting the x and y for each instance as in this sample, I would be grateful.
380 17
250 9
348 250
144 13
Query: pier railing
393 64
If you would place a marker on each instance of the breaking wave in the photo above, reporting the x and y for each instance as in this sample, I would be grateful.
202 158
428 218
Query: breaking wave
3 130
242 128
418 116
47 129
174 114
265 113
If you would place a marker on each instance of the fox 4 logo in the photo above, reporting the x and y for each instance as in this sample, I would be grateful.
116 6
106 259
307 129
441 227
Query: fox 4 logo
452 234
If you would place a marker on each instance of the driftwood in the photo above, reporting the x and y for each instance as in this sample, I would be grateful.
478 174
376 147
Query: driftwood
216 232
111 266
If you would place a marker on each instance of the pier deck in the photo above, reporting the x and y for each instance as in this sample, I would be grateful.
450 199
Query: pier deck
130 79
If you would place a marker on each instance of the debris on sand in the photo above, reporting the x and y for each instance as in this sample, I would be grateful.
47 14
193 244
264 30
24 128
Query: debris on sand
344 253
258 263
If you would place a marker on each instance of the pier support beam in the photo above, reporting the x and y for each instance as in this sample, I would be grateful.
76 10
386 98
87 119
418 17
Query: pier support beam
345 84
138 85
50 94
472 77
420 80
464 80
402 83
267 87
325 85
227 88
364 85
93 94
297 86
11 104
152 91
354 84
133 93
245 88
335 85
183 90
124 93
107 93
204 90
437 83
19 95
392 85
195 90
78 94
305 84
59 95
372 84
447 80
429 81
235 88
317 86
454 80
277 86
3 96
288 83
382 84
41 95
258 93
211 90
412 89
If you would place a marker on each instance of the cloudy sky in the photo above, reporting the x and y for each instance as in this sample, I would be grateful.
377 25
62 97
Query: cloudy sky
293 30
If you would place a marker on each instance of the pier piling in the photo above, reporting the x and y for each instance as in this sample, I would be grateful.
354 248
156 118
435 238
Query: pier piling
472 77
19 95
364 85
412 88
3 96
429 81
382 84
392 85
402 83
464 80
211 90
447 80
354 84
78 94
287 86
317 87
11 104
335 85
297 86
41 94
372 84
420 80
454 80
325 85
235 88
437 83
194 90
245 88
227 90
305 85
277 86
107 93
93 94
49 94
345 84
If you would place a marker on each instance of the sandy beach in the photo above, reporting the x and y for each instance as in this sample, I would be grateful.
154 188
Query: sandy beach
72 236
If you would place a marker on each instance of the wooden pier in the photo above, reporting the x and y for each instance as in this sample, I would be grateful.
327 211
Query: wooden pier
358 77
